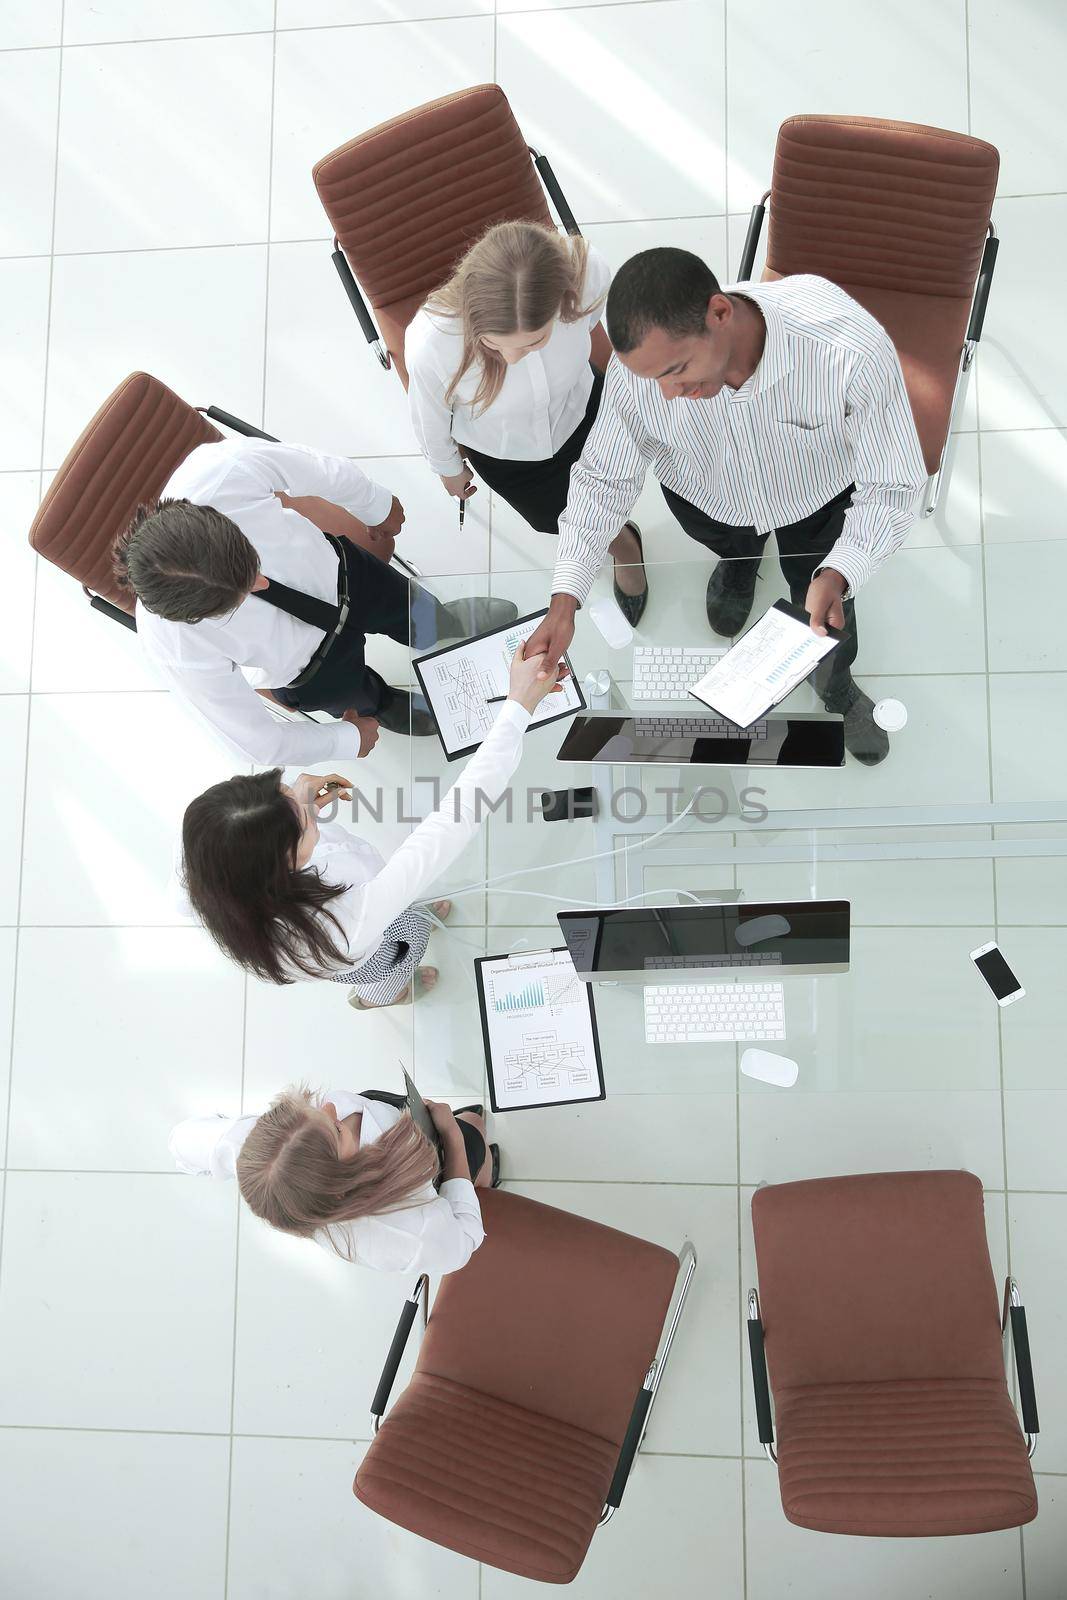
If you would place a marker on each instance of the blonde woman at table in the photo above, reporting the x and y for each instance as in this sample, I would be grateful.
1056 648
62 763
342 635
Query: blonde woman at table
289 897
354 1173
499 378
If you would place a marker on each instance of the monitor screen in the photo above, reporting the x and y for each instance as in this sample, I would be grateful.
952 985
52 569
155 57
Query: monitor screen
656 944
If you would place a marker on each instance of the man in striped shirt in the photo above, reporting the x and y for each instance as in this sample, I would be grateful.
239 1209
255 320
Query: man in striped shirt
769 407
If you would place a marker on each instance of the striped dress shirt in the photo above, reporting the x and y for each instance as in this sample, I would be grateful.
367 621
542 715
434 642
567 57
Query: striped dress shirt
825 407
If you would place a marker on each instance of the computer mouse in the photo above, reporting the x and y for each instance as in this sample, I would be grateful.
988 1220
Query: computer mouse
770 1068
773 926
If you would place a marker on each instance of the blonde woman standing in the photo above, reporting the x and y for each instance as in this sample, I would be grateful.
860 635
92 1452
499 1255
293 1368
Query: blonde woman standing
499 378
355 1174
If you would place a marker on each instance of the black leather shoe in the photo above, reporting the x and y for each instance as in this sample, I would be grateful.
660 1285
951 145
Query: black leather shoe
406 713
632 606
494 1151
472 615
729 597
864 739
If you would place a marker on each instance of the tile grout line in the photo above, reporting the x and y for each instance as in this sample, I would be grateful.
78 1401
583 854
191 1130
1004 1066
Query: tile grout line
244 1005
989 736
32 640
733 840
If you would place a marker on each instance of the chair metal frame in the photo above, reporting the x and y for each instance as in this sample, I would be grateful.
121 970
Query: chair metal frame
1013 1314
646 1395
975 323
355 296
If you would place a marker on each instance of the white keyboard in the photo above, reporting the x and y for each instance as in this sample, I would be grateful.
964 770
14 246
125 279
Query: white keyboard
713 1013
668 671
695 728
751 958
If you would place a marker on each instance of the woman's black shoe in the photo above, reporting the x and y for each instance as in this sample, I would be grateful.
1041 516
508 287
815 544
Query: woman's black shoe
477 1111
632 606
494 1151
406 713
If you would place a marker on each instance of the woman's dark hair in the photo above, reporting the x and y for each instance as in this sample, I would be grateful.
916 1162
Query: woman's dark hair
185 562
663 288
239 843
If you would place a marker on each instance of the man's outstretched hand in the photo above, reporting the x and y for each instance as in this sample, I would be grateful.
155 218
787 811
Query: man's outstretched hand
552 637
368 730
824 601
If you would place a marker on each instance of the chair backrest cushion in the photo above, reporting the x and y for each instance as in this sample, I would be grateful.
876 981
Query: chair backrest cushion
553 1313
892 205
408 198
122 459
876 1277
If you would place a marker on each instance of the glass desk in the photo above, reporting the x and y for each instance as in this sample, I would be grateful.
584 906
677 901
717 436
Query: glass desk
958 837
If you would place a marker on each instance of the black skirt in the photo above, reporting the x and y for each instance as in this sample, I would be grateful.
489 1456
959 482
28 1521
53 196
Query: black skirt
538 490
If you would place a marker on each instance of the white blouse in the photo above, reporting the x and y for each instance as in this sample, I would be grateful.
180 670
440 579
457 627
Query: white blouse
377 891
542 401
438 1233
201 661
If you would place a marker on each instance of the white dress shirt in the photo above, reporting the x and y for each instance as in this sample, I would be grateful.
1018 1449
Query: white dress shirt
825 407
542 399
202 660
437 1233
376 890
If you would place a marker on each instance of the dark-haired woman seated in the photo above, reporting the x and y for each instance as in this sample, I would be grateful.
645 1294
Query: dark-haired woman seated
288 897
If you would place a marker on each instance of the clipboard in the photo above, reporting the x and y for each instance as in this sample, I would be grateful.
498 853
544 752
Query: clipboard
539 1031
834 637
470 682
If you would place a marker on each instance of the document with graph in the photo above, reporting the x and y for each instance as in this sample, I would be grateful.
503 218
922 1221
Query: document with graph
539 1031
466 684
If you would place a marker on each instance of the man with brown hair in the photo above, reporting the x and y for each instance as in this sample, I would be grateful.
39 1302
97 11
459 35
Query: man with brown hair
230 576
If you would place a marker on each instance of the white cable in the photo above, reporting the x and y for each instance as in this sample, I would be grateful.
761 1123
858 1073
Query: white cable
559 899
598 855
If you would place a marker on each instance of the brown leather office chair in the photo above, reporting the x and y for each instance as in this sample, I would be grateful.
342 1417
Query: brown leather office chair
898 215
877 1316
407 199
122 459
535 1378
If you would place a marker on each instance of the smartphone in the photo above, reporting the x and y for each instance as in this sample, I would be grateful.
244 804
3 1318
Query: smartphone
996 972
558 805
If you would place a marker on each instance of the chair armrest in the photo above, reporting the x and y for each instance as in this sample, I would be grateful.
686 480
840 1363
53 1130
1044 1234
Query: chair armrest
1015 1314
396 1351
359 306
760 1385
116 613
635 1428
228 420
555 193
981 293
752 237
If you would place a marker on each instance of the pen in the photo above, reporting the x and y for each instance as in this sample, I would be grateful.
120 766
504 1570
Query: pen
462 512
495 699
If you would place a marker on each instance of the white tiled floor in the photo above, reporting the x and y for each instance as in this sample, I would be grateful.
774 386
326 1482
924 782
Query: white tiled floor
188 1390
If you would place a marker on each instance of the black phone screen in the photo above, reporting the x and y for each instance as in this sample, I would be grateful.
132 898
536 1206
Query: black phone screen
996 972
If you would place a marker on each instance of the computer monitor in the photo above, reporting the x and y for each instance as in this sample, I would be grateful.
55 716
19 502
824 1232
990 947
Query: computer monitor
648 739
673 943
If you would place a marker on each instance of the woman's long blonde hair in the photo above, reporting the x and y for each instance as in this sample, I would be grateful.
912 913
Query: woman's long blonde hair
515 279
291 1175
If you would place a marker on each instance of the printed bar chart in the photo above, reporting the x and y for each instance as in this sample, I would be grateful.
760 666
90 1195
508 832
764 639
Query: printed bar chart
527 998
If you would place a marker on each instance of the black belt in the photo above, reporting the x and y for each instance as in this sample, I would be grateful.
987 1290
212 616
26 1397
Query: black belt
338 628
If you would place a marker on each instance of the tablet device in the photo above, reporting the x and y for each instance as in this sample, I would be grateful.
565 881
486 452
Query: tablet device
769 661
420 1115
465 685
